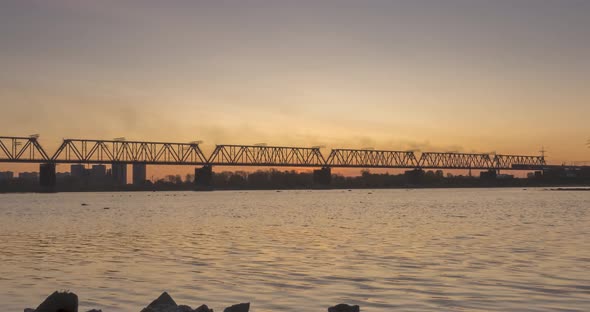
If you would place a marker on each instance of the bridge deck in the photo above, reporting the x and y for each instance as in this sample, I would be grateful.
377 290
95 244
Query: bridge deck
73 151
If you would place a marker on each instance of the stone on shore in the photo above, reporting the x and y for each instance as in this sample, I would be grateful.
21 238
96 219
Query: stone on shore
58 302
68 302
203 308
184 308
165 303
241 307
344 308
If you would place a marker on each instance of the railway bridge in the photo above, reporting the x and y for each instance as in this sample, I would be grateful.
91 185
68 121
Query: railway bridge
142 153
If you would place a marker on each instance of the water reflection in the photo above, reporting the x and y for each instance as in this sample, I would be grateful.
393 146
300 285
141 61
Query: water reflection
427 250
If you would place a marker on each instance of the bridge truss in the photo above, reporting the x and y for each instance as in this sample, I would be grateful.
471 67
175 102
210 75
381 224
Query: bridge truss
113 151
518 161
261 155
456 161
28 150
21 149
363 158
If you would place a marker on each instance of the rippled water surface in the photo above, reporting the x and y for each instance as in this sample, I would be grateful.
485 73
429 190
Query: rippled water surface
386 250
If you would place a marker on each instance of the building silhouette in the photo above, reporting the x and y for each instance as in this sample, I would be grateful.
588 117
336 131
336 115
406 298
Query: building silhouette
77 171
6 175
29 176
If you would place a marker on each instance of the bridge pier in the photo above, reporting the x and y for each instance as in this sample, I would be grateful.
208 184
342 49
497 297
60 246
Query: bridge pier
204 177
47 177
322 177
119 173
139 174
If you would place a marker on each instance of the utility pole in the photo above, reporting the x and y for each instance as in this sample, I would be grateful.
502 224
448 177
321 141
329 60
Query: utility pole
542 151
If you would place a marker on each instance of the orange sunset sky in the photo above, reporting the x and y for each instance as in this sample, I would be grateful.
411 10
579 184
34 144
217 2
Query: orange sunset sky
461 75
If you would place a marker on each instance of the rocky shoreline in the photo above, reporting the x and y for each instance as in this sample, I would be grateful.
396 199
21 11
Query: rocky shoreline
68 302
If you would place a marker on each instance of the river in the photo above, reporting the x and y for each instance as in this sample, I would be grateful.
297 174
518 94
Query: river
385 250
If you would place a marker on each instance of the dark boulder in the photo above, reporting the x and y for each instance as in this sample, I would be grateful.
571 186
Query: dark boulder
165 303
203 308
58 302
344 308
242 307
183 308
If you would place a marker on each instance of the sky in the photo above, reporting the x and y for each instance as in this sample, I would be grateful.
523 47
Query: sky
437 75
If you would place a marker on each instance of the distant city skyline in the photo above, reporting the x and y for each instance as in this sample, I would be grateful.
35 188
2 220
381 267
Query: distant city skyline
469 76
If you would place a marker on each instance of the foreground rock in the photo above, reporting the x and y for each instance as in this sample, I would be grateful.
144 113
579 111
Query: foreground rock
58 301
165 303
344 308
242 307
68 302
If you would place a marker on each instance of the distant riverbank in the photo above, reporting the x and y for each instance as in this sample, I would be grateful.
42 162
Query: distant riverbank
130 188
192 189
294 180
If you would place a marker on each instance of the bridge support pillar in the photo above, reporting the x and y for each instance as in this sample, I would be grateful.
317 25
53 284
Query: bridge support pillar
119 173
204 177
322 177
139 174
47 178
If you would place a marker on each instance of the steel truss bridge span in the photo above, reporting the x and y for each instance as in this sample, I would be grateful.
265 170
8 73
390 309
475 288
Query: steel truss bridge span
113 151
262 155
73 151
363 158
22 150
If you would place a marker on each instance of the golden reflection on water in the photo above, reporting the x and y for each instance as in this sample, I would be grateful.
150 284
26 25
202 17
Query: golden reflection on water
427 250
